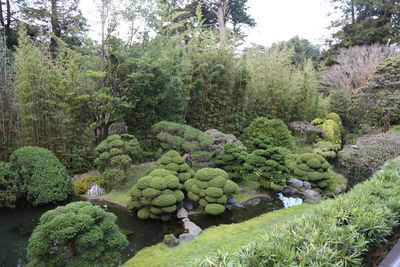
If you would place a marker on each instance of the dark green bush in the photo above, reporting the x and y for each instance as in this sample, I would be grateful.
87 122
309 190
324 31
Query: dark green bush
268 168
115 155
9 186
264 133
157 195
78 234
231 161
315 169
172 161
43 179
183 138
82 185
337 232
211 187
326 149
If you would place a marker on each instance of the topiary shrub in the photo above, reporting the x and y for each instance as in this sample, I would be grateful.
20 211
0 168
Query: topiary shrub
268 168
332 128
183 138
211 188
326 149
157 195
315 169
115 155
264 133
9 186
43 179
173 162
82 185
231 161
78 234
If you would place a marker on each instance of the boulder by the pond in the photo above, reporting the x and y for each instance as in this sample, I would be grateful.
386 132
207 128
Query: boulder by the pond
186 237
295 183
191 227
96 190
182 213
311 196
171 241
289 190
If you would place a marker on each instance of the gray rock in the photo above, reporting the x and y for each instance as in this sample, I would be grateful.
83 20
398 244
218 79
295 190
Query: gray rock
186 237
311 196
220 139
182 213
289 190
296 183
96 190
191 227
171 241
118 128
188 204
306 185
232 201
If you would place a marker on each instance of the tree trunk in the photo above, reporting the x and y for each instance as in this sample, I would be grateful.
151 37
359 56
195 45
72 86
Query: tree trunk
221 21
2 22
353 18
55 25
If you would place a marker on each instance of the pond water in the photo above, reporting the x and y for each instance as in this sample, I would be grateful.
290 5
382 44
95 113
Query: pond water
17 225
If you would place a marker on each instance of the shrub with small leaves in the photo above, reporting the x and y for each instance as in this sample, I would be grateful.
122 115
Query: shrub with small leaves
173 162
211 188
326 149
313 168
115 155
42 177
183 138
332 128
78 234
9 186
157 195
82 185
268 168
264 133
231 161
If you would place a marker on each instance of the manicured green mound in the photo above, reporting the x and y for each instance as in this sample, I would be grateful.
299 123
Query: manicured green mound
41 176
332 127
231 161
157 195
268 168
211 187
78 234
264 133
115 155
326 149
337 232
313 168
172 161
183 138
8 186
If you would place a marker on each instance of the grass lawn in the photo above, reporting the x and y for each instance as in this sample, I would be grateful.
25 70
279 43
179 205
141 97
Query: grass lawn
227 238
120 193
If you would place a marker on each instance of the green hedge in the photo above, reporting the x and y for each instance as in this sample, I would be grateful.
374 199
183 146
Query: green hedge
9 186
336 233
231 161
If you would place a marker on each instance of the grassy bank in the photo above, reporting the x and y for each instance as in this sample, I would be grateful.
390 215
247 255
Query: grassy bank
226 238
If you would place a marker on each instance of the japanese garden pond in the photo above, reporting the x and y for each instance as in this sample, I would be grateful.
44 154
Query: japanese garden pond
16 226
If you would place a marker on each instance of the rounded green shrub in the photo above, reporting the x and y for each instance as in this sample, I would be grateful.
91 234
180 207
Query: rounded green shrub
82 185
332 128
264 133
268 168
318 171
78 234
156 195
115 155
211 187
42 178
183 138
214 209
9 186
231 161
172 161
326 149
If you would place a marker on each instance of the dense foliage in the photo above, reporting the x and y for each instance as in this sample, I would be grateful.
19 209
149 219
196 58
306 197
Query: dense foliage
264 133
83 184
332 128
173 162
157 195
183 138
78 234
115 155
211 188
337 232
268 168
41 177
9 186
231 161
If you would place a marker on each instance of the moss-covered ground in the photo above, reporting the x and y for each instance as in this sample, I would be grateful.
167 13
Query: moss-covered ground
227 238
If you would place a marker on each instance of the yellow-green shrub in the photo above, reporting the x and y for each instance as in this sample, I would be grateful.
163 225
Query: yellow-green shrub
82 185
